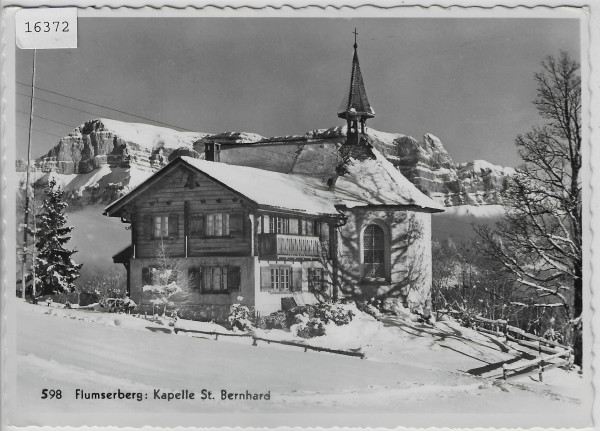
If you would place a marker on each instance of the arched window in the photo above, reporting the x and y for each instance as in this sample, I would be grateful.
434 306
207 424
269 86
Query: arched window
373 252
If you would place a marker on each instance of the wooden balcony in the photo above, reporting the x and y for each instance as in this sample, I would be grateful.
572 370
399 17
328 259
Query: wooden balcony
282 246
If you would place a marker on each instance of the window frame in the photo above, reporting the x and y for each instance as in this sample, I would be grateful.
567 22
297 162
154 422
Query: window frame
316 281
222 279
225 224
277 284
383 250
163 233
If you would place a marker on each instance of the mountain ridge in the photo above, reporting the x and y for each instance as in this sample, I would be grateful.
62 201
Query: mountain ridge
115 156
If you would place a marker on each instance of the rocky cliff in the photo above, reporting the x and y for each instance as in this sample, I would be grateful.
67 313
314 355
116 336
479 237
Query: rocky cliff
106 152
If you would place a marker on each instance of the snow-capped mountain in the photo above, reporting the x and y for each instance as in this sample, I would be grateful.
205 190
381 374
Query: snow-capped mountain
114 156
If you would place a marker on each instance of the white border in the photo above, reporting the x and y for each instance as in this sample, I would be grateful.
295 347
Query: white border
590 74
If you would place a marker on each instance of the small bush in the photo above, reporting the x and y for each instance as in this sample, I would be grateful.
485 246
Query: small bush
330 312
308 327
371 307
239 317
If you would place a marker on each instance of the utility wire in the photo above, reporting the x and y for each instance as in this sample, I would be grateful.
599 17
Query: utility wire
39 99
107 107
40 131
44 118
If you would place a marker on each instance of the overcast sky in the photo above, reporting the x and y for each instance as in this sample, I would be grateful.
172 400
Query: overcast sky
467 81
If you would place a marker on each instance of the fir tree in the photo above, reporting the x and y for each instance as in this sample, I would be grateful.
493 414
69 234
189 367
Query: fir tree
54 267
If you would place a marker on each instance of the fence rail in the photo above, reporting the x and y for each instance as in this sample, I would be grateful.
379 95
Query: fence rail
357 353
557 351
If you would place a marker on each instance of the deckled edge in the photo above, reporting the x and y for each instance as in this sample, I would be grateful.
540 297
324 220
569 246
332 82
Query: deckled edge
593 34
3 226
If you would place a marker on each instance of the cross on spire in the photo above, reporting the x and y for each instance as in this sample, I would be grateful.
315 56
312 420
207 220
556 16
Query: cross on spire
355 107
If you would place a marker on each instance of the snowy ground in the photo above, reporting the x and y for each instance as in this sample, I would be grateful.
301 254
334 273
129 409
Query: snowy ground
413 375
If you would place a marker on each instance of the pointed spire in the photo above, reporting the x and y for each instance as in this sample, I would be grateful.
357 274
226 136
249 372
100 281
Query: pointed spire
355 104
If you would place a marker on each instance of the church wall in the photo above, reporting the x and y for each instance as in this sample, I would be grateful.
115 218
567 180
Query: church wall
407 259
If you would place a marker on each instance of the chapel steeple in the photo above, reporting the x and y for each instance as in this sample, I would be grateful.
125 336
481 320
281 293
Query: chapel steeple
355 107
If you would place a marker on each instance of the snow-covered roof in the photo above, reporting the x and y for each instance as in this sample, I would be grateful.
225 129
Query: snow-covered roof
272 189
370 182
375 182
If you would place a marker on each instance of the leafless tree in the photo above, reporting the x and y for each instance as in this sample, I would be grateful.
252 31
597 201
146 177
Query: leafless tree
540 239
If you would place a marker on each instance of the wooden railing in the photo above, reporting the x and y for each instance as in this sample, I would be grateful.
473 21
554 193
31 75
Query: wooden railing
277 245
558 353
360 353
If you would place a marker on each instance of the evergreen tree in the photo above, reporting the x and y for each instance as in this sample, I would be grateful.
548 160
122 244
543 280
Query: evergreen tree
54 267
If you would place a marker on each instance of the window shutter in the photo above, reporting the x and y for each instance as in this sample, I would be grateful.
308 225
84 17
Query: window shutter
265 278
293 226
146 278
266 223
233 278
148 232
316 228
197 226
324 231
174 225
236 224
195 278
310 276
296 279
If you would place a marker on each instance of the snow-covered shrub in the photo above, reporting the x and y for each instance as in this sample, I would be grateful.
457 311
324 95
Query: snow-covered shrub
276 320
167 285
372 307
239 316
331 312
308 327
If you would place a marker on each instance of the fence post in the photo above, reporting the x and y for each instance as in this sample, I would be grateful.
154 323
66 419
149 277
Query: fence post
506 330
504 371
541 370
539 346
254 341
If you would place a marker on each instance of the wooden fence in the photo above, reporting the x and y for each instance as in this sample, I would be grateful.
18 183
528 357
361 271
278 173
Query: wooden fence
357 353
558 353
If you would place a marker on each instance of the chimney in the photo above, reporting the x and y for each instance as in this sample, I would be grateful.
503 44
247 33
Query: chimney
212 152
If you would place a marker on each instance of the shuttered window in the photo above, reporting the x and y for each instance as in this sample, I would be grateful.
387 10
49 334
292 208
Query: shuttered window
315 279
214 279
217 224
161 227
308 227
373 252
279 225
280 279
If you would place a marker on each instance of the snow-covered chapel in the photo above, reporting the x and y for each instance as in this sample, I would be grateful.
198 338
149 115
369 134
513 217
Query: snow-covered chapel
339 220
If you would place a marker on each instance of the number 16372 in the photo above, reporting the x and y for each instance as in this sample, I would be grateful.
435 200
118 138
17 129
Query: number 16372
47 26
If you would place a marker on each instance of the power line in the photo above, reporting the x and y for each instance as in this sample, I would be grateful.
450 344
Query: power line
44 118
40 131
107 107
38 99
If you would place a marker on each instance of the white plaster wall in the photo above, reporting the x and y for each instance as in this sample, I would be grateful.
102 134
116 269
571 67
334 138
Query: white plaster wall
408 256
